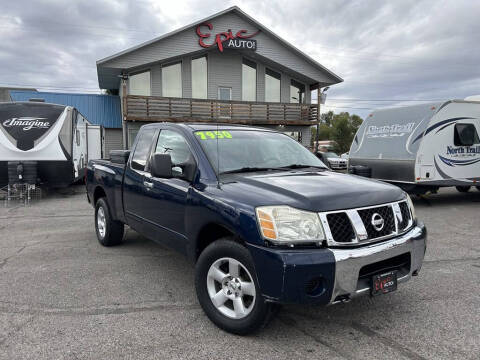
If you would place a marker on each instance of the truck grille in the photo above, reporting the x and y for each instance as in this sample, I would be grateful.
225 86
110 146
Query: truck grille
341 227
357 226
386 213
406 217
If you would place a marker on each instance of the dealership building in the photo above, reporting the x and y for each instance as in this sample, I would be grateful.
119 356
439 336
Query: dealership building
227 68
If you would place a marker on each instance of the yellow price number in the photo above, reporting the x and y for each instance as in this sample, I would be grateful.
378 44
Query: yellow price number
210 135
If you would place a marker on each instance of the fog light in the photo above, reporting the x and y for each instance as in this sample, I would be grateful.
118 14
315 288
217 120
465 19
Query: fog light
315 286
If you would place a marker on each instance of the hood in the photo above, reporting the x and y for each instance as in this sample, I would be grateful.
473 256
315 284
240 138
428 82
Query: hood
313 191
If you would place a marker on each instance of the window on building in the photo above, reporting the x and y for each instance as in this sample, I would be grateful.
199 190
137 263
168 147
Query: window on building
224 109
249 80
142 149
199 78
296 135
297 92
172 80
139 84
224 93
272 86
465 135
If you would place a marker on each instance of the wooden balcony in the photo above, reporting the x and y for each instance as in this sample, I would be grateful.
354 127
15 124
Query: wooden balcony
156 108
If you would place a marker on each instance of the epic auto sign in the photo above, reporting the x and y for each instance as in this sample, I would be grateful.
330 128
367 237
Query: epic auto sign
227 40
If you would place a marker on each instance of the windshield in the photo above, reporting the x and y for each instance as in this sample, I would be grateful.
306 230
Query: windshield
330 154
252 150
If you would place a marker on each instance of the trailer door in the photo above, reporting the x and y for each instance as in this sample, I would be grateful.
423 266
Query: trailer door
94 141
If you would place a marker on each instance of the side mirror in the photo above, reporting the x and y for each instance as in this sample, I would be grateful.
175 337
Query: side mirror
161 166
189 169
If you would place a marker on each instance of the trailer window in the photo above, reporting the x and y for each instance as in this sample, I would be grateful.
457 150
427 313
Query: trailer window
142 149
465 135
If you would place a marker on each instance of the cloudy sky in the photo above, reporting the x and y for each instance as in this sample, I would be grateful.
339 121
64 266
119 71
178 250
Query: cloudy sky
386 51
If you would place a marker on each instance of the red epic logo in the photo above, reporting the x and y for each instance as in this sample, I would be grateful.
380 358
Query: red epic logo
221 37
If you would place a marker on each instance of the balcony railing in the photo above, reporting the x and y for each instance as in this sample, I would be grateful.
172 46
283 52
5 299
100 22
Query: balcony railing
156 108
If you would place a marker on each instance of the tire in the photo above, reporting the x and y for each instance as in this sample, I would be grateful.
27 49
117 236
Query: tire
212 277
463 189
109 232
478 188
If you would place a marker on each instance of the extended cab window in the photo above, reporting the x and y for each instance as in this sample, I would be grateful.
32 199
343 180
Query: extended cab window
142 150
465 135
171 142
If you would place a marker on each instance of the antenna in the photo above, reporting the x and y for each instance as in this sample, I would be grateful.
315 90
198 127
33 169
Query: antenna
218 159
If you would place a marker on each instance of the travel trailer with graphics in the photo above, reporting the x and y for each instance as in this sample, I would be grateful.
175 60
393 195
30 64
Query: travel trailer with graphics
45 144
422 147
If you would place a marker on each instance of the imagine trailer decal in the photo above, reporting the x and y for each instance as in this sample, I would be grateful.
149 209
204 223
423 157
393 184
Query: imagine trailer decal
389 130
27 123
23 124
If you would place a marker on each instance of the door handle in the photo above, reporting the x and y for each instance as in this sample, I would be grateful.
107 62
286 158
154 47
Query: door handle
148 185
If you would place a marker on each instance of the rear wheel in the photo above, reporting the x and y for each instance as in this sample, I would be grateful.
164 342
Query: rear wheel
463 189
227 288
109 231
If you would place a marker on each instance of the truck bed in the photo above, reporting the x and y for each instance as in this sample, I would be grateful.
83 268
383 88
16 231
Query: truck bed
107 176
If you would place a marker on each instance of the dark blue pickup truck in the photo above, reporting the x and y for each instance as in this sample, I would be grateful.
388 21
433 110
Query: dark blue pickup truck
264 221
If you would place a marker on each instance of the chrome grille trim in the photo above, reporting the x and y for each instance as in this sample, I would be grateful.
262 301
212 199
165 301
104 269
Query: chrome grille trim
361 236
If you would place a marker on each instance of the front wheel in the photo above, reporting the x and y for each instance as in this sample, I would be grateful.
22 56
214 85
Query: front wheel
109 231
463 189
227 288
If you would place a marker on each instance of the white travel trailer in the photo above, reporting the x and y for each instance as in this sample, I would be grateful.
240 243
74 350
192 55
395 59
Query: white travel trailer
422 147
45 144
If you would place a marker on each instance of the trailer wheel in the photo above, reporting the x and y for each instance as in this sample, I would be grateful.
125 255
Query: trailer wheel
463 189
109 231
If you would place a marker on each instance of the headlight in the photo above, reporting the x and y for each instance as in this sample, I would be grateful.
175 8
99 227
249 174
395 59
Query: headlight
410 205
287 225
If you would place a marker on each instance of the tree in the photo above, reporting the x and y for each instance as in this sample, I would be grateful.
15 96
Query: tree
338 127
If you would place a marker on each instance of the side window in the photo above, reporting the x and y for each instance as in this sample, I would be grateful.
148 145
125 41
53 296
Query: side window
142 150
465 135
171 142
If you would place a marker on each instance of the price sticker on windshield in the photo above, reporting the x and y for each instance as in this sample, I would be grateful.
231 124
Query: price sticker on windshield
211 135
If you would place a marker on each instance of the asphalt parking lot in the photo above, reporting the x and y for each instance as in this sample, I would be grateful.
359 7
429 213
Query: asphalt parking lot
63 296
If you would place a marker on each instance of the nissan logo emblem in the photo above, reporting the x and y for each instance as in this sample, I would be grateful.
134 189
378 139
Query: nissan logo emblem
377 222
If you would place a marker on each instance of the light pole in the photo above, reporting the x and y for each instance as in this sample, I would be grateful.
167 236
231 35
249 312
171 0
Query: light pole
321 97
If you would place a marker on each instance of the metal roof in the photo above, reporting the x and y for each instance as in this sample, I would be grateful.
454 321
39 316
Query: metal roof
98 109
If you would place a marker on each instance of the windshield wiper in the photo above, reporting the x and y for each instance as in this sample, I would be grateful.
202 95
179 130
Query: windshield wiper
280 168
301 166
249 169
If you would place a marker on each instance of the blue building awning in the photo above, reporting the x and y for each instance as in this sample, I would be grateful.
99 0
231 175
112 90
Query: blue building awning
102 110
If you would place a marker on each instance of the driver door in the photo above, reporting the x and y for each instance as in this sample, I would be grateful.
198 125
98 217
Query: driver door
165 199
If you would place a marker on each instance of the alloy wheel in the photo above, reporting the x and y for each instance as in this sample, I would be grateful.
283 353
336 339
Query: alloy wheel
231 288
101 222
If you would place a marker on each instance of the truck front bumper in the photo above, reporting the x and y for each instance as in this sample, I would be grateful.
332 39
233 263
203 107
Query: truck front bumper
327 276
